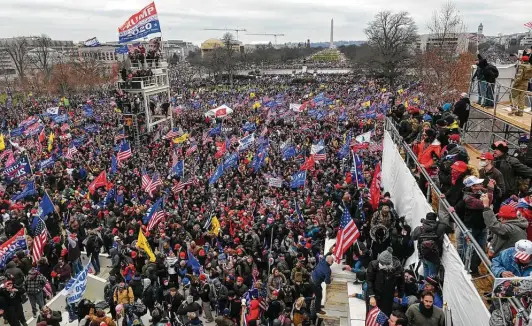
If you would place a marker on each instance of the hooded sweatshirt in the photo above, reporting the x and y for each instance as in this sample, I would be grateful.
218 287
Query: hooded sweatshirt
505 234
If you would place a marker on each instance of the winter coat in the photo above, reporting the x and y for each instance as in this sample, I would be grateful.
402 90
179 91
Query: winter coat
494 174
511 167
137 286
253 312
124 296
276 283
526 211
506 234
15 273
172 303
322 273
435 227
55 319
425 154
170 264
505 261
382 284
415 318
462 108
471 208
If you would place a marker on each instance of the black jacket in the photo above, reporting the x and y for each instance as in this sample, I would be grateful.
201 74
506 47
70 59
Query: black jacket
462 108
511 167
382 284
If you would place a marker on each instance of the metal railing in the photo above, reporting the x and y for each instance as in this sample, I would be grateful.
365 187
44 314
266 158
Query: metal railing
443 204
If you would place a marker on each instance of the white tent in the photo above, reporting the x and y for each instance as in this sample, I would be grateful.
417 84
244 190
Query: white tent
219 112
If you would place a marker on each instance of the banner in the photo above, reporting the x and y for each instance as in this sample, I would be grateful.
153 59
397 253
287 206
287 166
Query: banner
512 287
92 42
53 111
275 182
76 287
122 50
246 142
18 169
139 25
11 246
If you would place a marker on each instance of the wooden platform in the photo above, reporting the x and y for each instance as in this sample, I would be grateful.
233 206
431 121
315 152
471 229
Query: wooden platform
503 112
473 154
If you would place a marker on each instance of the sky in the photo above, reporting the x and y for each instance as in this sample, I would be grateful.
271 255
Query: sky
299 20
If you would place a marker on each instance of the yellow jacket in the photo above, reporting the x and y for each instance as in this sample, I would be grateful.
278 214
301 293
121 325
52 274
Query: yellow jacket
124 296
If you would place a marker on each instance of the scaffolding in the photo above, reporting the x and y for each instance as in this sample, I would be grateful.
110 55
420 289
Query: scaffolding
146 103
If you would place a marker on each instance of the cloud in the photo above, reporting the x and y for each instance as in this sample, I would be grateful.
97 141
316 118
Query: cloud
186 19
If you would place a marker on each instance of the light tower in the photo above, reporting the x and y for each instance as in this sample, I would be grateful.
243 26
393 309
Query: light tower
331 44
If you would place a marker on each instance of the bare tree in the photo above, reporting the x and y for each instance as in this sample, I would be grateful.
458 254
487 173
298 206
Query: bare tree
391 37
446 27
17 48
42 54
229 55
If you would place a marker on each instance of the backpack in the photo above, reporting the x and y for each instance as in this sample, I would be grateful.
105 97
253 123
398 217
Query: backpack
140 309
494 71
428 246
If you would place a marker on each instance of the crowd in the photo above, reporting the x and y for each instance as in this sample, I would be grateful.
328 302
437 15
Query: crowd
225 219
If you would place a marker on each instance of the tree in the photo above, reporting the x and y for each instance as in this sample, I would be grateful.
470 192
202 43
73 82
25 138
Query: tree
229 55
17 48
42 54
445 27
391 36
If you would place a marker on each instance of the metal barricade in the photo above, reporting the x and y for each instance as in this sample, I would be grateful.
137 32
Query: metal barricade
434 195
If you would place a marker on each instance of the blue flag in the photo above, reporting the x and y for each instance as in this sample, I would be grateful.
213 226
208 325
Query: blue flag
249 126
157 206
343 116
216 130
193 263
18 169
17 132
114 164
298 212
178 169
217 174
60 118
29 190
45 207
44 164
258 160
87 110
289 152
299 179
231 161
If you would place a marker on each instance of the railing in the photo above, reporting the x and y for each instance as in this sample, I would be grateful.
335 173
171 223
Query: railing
433 195
143 82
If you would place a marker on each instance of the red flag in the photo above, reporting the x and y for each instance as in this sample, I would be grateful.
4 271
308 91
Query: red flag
375 188
42 136
309 164
221 147
221 112
100 181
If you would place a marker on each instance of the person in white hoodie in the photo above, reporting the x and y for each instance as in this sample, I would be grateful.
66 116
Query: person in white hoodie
170 263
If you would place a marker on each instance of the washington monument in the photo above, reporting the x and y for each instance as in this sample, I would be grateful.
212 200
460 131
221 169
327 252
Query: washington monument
331 43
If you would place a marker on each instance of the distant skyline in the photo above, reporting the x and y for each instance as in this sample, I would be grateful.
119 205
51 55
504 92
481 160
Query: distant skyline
299 20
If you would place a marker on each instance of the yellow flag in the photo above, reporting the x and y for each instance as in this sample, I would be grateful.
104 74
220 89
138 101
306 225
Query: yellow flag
142 243
367 103
383 90
406 104
181 138
2 143
215 226
51 141
252 95
401 91
256 105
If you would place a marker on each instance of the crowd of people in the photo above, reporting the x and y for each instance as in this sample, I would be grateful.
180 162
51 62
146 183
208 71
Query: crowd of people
213 222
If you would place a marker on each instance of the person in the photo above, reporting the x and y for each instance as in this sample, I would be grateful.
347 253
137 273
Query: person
514 262
34 286
224 319
11 304
481 81
123 294
429 238
172 301
462 108
14 273
525 209
74 253
490 74
398 318
384 277
61 274
93 248
205 296
488 172
506 231
425 313
51 318
470 209
321 274
188 306
510 168
428 150
520 86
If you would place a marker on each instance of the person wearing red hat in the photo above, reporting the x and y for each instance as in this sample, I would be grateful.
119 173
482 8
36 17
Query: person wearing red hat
489 172
62 272
507 230
240 288
206 296
459 170
515 261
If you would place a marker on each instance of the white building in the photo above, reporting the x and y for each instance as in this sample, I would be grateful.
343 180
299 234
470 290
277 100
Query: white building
455 42
178 47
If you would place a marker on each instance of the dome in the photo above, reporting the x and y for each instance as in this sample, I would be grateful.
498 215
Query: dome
211 44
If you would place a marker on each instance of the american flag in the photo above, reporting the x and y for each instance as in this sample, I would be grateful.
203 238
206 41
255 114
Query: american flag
320 157
39 241
145 179
346 236
233 140
5 153
375 147
510 202
157 217
206 138
376 317
124 153
153 184
65 127
181 185
263 304
172 134
72 150
528 25
121 135
191 149
264 131
175 157
33 128
10 159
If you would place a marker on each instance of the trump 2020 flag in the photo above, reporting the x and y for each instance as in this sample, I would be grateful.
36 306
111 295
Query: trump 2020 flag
141 24
76 287
217 174
92 42
299 179
29 190
45 207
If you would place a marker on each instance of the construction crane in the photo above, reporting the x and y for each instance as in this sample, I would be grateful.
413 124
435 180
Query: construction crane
267 34
227 29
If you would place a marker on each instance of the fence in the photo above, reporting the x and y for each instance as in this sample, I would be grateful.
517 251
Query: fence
435 199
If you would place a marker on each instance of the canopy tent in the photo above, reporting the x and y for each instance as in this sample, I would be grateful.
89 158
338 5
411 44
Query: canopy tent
219 112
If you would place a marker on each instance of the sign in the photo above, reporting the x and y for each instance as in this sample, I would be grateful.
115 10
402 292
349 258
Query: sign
139 25
275 182
53 111
18 169
270 201
76 287
512 287
246 142
11 246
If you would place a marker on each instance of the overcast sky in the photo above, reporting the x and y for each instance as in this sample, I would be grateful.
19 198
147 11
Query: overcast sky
298 19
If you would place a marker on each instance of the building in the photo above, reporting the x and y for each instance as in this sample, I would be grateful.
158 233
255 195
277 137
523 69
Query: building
104 54
454 42
58 51
213 43
179 48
